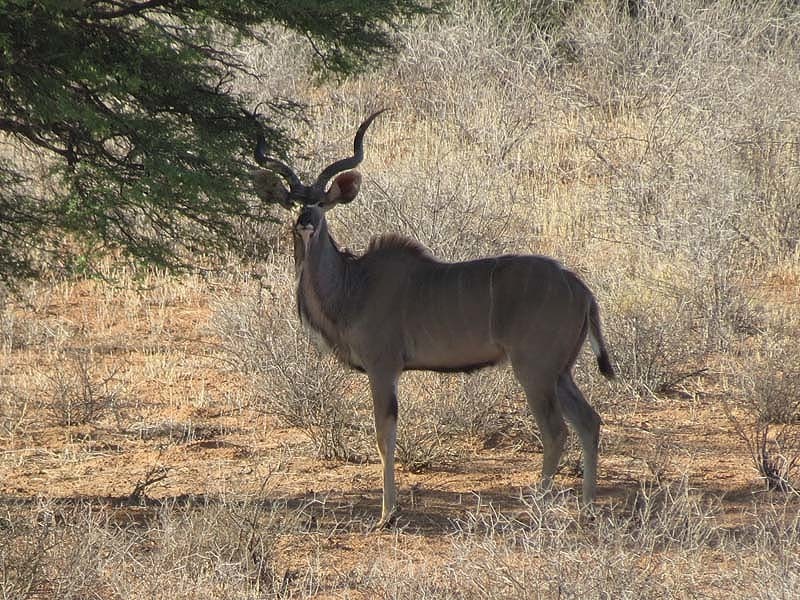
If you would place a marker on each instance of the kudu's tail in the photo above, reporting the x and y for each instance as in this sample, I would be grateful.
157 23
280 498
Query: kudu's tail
597 342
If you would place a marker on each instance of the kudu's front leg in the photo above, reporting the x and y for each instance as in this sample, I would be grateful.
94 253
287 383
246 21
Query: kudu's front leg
384 404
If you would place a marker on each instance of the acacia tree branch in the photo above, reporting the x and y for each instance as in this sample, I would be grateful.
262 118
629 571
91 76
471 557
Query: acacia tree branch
32 135
134 8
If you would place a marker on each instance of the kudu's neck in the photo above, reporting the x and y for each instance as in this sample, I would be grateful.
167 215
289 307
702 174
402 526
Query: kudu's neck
323 274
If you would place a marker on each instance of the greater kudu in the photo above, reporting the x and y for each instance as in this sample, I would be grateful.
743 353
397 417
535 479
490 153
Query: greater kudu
397 308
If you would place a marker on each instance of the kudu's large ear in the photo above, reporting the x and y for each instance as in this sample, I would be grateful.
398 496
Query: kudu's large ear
343 189
270 188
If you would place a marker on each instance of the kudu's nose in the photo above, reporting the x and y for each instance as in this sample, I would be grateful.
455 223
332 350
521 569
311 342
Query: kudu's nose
310 216
307 222
305 219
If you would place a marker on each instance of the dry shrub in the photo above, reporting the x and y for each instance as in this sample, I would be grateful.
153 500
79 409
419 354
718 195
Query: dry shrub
14 405
216 546
770 202
262 334
443 415
16 333
651 349
668 543
766 413
456 215
80 394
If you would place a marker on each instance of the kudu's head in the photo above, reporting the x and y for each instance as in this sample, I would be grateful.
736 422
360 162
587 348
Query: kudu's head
277 183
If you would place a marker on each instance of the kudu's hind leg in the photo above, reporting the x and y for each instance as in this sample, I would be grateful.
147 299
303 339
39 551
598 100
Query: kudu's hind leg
384 404
586 422
541 394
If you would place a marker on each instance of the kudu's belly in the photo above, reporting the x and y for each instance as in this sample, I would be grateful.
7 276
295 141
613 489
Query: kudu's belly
451 332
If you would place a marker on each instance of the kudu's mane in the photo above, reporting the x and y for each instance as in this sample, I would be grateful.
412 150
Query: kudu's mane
398 243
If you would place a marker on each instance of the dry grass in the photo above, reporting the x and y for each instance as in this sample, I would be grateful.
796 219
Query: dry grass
183 439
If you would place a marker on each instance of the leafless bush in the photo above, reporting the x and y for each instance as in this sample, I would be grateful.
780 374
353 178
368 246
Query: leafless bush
475 404
316 395
22 556
42 557
223 545
546 547
14 405
422 442
766 415
77 395
306 390
23 326
770 222
154 474
654 347
449 214
214 547
441 414
14 332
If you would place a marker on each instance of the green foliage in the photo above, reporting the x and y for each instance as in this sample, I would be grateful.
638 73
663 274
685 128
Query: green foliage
132 109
